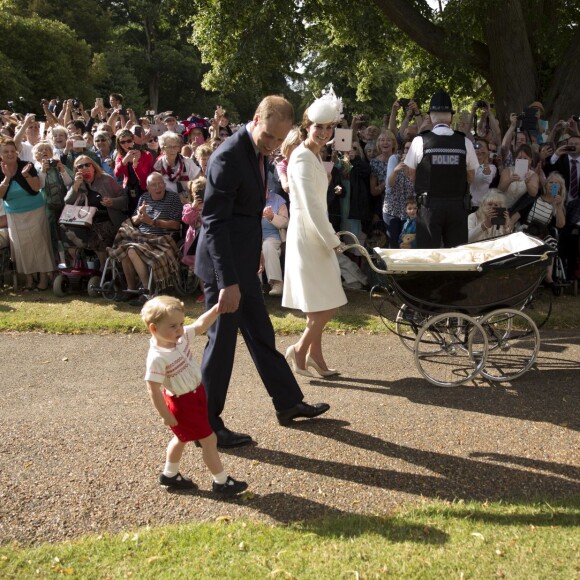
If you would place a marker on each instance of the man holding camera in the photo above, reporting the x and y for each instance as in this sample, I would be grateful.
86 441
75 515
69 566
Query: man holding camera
442 163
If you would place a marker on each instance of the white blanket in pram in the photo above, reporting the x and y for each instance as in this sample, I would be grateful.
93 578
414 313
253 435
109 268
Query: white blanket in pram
468 257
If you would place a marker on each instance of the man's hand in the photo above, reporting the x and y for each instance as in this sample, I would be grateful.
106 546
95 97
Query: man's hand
229 299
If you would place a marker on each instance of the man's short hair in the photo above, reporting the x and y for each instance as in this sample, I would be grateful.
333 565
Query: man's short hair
275 106
440 117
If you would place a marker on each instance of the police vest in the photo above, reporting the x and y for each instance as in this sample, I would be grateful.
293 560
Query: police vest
442 173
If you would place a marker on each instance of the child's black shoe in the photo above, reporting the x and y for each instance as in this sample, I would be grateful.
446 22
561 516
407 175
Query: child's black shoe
230 487
176 482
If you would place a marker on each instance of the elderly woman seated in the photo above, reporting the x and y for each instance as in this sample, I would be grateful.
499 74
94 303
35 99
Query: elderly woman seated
146 240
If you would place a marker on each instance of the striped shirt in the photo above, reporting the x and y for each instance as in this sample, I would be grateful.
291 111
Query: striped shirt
168 208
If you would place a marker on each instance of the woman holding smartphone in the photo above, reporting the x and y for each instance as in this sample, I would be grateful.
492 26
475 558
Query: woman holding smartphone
546 212
490 220
133 165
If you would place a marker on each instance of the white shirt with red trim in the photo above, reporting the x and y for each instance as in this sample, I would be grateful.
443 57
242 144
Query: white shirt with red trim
175 368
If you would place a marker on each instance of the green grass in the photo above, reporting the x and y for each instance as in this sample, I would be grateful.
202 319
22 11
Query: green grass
78 313
435 540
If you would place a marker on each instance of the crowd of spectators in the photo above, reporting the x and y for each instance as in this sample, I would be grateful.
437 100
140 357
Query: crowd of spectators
527 179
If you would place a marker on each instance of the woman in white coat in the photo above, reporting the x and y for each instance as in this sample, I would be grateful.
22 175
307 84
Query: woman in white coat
312 275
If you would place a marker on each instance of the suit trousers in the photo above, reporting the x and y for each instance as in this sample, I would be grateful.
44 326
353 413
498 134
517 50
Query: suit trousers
253 321
442 224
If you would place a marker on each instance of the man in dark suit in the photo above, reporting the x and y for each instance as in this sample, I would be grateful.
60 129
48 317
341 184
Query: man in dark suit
566 160
228 260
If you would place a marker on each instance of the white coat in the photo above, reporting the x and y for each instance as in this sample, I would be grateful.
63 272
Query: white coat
312 275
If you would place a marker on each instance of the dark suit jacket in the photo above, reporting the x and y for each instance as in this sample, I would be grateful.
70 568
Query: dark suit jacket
562 166
230 240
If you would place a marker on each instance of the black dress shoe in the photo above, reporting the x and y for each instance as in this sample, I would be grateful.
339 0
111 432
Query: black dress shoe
227 438
301 410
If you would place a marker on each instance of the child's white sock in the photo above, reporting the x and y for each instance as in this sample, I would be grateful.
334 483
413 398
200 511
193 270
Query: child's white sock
171 469
220 478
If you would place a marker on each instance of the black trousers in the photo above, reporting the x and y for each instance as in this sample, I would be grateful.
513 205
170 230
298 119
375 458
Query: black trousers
253 321
442 224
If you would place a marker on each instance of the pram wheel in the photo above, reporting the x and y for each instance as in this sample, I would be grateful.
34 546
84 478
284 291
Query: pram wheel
94 282
539 306
514 342
450 349
407 325
60 286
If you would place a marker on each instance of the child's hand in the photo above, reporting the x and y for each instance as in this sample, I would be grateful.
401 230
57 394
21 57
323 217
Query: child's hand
170 421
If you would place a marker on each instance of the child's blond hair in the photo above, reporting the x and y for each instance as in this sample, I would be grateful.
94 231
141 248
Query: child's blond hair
156 309
195 185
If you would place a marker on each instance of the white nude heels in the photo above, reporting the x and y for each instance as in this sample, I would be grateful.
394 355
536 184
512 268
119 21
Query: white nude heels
291 358
310 362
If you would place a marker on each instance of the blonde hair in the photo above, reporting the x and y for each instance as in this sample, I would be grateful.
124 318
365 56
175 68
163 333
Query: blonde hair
158 308
388 134
275 106
559 179
291 141
86 159
203 151
493 196
194 186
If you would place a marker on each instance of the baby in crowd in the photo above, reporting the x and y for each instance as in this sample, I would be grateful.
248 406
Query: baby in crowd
408 233
173 378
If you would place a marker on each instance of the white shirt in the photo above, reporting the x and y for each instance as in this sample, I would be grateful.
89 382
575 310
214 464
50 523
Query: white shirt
175 368
415 154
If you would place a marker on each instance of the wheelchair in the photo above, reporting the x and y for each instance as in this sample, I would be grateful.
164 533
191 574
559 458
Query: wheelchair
112 284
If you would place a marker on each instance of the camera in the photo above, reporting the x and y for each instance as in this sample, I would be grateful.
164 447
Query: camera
43 102
76 103
570 148
52 163
404 103
576 118
10 104
528 120
481 105
150 113
498 220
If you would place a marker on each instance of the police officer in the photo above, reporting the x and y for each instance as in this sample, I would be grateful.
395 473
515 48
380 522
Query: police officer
442 163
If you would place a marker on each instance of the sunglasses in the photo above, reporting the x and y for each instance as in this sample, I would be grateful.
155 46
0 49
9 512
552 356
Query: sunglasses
125 141
83 165
99 140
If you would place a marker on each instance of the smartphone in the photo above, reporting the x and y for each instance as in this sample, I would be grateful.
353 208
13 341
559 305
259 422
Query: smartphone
554 189
138 131
123 112
80 144
99 102
498 220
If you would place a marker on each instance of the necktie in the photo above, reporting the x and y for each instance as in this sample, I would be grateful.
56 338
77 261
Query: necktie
573 179
262 170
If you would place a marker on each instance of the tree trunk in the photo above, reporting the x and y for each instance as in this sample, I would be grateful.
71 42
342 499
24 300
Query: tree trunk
512 70
154 91
563 94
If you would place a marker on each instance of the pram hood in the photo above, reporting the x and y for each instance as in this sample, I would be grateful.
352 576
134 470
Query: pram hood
467 257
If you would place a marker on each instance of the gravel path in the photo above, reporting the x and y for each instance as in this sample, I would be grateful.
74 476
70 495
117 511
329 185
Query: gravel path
81 445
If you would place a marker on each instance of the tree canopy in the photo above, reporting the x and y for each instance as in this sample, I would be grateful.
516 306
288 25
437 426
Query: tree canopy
190 55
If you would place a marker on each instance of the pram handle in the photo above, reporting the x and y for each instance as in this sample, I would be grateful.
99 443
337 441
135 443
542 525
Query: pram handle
357 246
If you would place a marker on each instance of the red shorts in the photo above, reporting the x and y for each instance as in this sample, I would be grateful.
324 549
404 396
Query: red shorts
190 410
